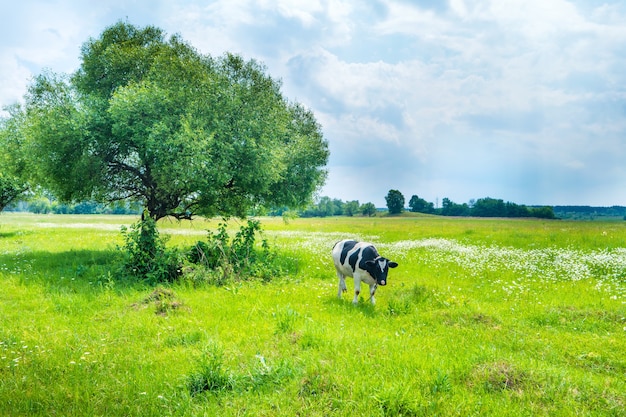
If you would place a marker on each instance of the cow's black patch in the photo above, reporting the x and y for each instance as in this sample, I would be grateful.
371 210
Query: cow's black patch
352 260
369 254
347 246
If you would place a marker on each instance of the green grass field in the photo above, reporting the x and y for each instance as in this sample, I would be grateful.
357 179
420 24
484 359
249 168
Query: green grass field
482 317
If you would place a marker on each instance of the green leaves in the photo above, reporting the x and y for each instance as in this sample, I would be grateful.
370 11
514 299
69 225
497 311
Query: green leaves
395 202
10 189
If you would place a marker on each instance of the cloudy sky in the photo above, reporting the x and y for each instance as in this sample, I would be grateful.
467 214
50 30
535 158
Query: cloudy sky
523 100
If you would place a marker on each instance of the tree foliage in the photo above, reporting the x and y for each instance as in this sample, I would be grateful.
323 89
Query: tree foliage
151 119
11 166
368 209
326 206
491 207
450 208
395 202
419 205
10 189
351 208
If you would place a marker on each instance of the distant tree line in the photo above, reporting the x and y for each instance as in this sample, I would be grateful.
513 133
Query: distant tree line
47 205
483 207
590 213
326 207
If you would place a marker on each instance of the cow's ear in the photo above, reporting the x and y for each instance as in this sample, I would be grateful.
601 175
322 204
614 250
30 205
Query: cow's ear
370 263
392 264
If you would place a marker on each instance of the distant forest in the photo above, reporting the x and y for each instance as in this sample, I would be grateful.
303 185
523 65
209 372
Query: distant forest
483 207
48 205
326 206
590 213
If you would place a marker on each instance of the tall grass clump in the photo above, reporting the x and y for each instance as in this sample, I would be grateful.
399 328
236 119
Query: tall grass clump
398 403
211 375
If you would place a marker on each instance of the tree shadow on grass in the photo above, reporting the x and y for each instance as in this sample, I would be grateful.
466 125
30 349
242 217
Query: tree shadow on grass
9 234
70 271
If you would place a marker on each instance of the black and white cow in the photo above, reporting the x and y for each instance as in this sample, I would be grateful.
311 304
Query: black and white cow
361 261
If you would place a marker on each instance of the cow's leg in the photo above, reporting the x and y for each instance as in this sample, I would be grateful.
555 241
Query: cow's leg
372 292
342 284
357 290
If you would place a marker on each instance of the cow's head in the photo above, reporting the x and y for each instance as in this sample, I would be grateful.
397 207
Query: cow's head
379 268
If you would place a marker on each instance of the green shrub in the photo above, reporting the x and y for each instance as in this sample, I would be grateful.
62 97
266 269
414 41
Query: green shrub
146 255
221 258
211 375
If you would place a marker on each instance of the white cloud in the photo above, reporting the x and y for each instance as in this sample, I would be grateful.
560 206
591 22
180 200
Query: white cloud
411 20
537 16
14 79
305 12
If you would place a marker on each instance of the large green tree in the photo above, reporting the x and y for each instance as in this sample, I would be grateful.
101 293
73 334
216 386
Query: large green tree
149 118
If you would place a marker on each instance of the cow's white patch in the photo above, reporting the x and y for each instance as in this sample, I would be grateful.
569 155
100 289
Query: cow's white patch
381 265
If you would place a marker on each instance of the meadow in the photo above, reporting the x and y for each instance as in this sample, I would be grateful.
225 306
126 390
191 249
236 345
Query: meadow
482 317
